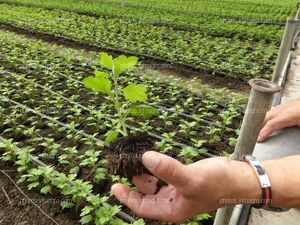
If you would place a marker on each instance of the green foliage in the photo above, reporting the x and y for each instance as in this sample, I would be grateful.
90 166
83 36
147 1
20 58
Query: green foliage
232 48
10 154
133 93
143 110
99 83
67 147
111 136
91 159
198 218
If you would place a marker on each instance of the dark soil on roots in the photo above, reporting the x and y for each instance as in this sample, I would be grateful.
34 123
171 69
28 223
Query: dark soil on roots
125 155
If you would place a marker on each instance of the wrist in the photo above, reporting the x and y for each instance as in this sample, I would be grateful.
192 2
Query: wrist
277 179
247 189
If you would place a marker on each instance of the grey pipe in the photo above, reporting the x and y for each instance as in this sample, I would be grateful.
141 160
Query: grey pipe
291 28
259 103
278 96
298 12
296 34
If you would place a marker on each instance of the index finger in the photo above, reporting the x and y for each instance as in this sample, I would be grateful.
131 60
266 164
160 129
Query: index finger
157 206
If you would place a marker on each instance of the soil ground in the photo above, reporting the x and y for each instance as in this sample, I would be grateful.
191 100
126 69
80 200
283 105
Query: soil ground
16 209
14 206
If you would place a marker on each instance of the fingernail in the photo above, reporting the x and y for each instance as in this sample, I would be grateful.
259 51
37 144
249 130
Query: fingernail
151 159
114 187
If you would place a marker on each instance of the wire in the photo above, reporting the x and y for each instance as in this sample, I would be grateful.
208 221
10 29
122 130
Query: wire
45 214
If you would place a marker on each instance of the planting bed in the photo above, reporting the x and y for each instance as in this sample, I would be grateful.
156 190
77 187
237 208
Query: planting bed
46 110
240 58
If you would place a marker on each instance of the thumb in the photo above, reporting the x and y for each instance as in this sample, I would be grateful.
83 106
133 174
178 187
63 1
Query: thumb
166 168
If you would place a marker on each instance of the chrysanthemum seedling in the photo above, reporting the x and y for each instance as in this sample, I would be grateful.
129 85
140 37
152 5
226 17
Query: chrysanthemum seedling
126 100
125 155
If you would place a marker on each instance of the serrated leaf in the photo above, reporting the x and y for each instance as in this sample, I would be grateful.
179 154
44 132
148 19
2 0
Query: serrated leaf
122 63
67 205
135 93
99 83
86 210
139 222
33 185
100 174
101 74
106 60
46 189
86 219
111 136
74 170
144 110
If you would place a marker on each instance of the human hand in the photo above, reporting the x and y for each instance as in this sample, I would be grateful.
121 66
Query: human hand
193 189
279 117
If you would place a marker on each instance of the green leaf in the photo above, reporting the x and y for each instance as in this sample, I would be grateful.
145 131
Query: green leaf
86 219
99 74
99 83
204 216
106 60
100 174
139 222
94 200
111 136
67 205
46 189
144 110
86 210
122 63
75 170
33 185
135 93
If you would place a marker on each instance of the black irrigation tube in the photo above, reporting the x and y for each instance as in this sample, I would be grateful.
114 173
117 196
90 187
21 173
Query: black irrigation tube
120 214
88 46
161 108
83 134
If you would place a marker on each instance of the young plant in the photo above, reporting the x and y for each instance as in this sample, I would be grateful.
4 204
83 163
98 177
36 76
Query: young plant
126 100
39 177
91 159
214 134
165 144
189 154
70 158
185 128
198 219
10 153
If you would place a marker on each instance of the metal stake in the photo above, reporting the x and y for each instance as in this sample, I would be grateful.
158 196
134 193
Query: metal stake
259 103
290 30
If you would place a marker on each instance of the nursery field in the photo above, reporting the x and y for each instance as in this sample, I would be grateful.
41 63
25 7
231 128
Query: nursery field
239 43
63 109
